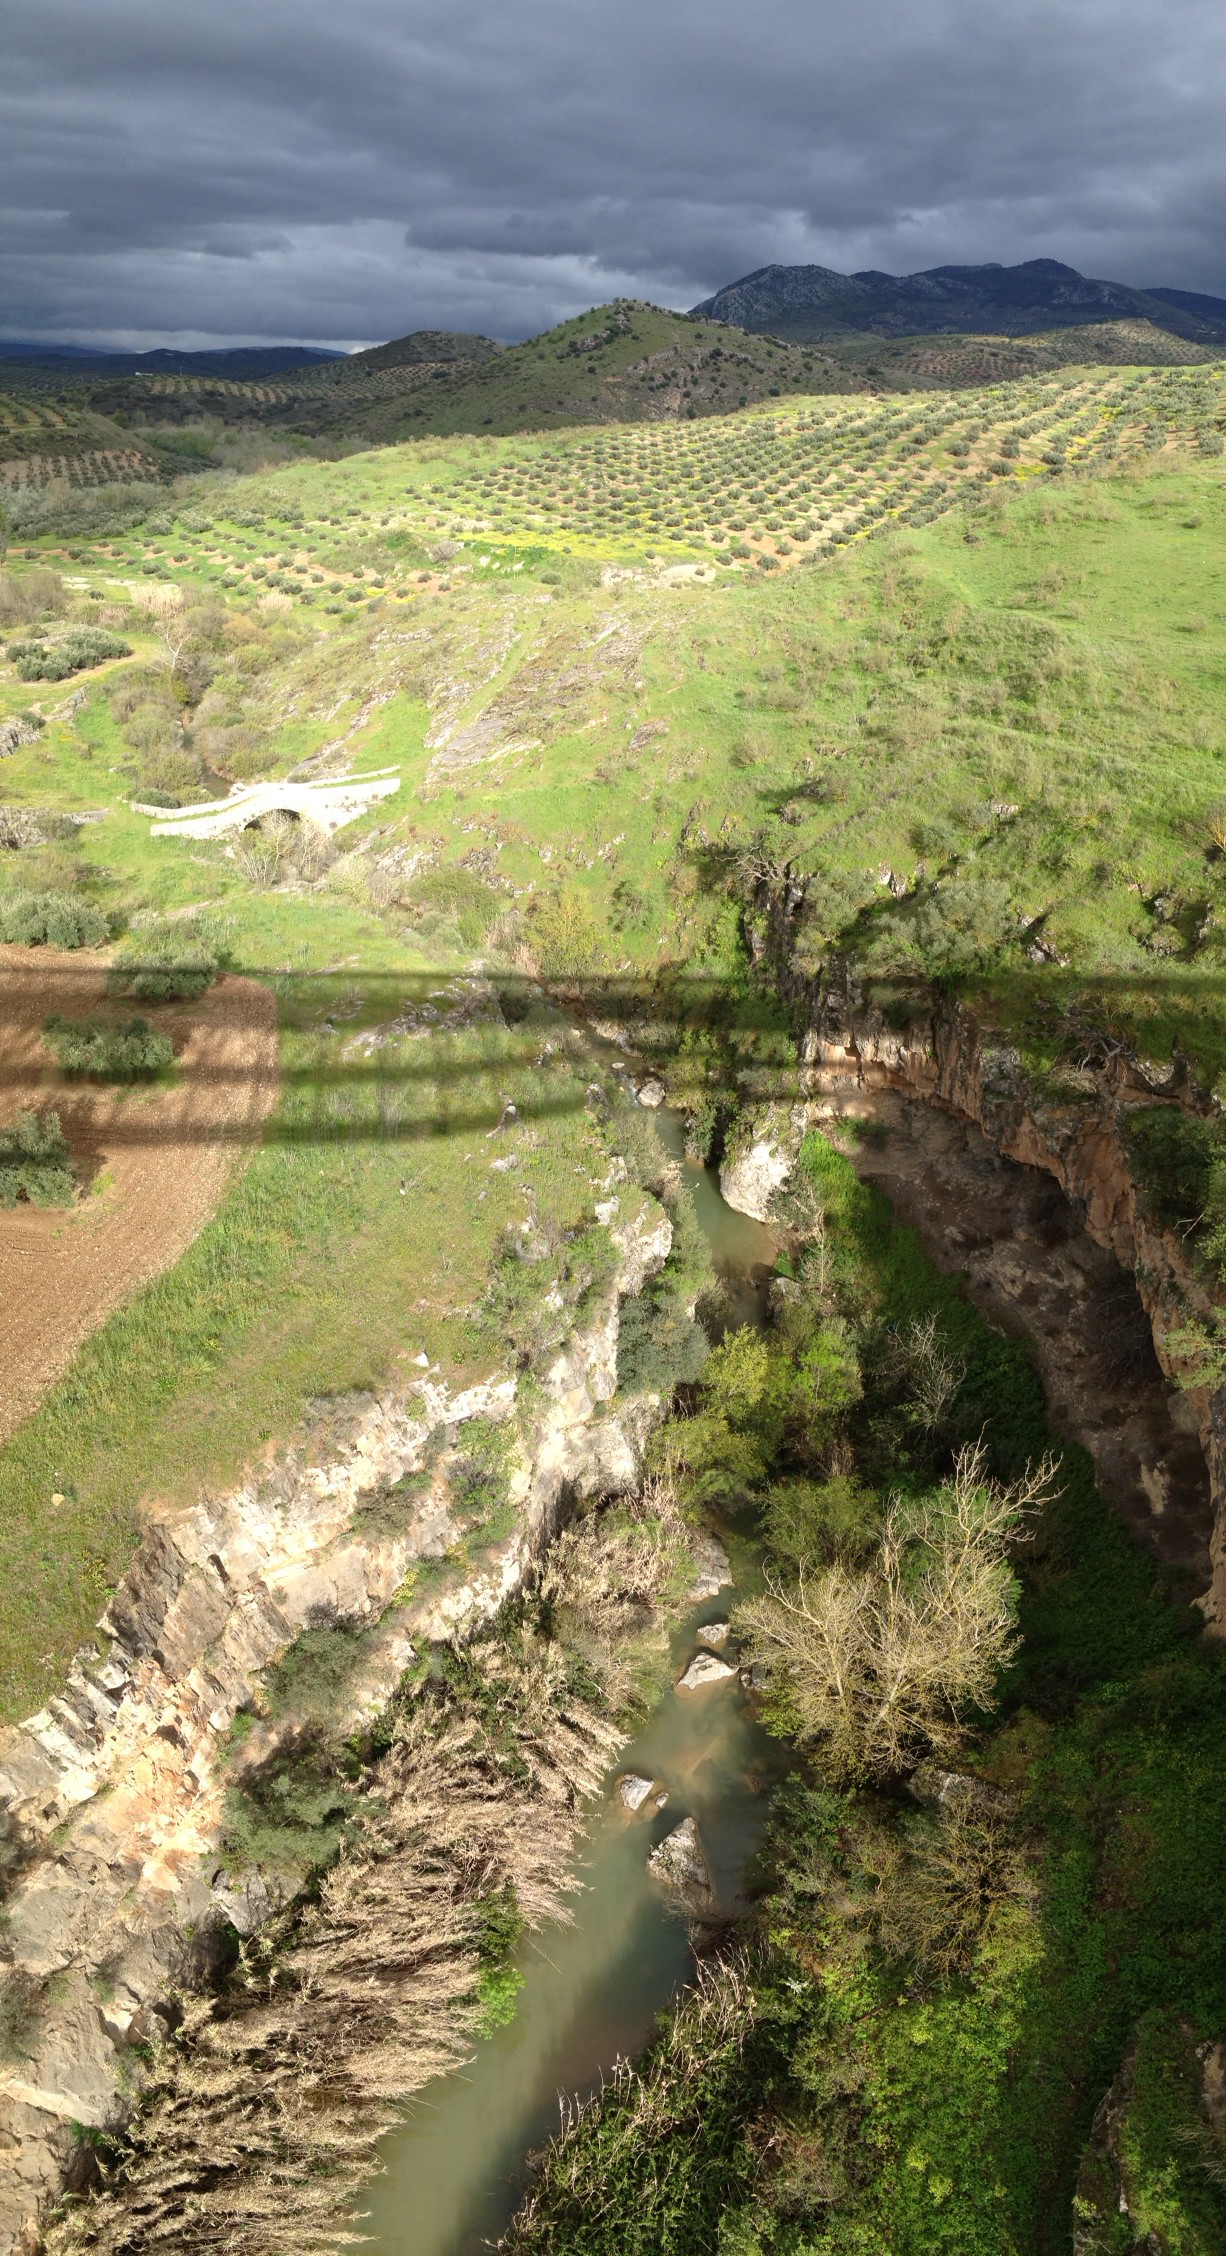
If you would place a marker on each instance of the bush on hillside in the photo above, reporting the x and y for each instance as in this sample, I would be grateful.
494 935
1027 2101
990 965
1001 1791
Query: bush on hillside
1175 1155
544 1283
85 646
109 1050
34 1161
659 1344
58 919
162 967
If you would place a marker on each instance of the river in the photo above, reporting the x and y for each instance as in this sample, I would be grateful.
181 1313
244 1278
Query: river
454 2172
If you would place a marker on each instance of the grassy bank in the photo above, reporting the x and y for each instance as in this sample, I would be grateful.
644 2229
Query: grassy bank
359 1236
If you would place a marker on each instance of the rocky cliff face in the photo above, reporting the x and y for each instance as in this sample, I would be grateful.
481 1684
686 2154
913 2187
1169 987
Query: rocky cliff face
1036 1204
112 1797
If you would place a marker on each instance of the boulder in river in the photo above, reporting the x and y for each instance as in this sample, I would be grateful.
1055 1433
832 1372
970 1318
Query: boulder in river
713 1633
634 1791
651 1093
705 1669
679 1863
712 1568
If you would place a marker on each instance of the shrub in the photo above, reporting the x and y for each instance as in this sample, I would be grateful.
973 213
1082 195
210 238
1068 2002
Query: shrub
34 1161
85 646
565 935
457 896
810 1525
1174 1155
659 1345
19 2016
290 1814
480 1475
543 1285
311 1680
121 1050
500 1925
162 967
172 776
260 853
29 919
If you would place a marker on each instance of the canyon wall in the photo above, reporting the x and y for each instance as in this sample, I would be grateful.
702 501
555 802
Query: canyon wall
1036 1204
113 1796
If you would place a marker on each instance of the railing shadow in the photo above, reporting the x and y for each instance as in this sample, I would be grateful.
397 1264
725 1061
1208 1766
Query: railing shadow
389 1060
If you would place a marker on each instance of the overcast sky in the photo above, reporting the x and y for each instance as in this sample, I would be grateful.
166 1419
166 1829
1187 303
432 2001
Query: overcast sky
342 171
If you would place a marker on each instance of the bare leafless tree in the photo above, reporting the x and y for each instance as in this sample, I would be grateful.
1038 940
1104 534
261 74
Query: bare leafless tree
173 630
883 1665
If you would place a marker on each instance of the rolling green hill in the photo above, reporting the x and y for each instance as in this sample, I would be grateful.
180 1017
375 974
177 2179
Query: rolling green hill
619 364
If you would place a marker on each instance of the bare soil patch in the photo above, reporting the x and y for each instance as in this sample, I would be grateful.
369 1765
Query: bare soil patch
153 1162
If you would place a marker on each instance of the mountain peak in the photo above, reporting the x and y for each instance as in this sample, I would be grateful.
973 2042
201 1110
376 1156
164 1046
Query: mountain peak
803 304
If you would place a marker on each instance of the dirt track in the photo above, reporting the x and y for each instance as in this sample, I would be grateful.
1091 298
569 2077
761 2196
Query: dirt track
154 1163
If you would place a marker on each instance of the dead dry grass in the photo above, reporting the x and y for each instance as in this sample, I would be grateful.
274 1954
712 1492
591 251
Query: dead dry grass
153 1163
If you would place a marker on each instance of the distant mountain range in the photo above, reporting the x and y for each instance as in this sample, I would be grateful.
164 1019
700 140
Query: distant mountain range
243 364
813 304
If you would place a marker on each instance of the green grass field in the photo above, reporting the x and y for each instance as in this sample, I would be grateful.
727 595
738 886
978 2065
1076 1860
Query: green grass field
992 744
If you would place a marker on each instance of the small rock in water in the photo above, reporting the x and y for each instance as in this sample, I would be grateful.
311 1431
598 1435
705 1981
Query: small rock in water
712 1568
651 1093
680 1865
714 1633
633 1792
704 1669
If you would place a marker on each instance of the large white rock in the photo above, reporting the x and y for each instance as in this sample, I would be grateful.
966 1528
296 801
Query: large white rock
750 1182
633 1792
713 1569
680 1865
705 1669
714 1633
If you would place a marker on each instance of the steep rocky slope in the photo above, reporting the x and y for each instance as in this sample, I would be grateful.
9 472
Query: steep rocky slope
1038 1204
113 1797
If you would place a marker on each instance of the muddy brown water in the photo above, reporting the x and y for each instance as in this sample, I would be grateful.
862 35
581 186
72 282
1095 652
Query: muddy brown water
454 2173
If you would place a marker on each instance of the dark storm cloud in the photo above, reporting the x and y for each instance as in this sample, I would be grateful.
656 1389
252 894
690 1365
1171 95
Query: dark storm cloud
295 168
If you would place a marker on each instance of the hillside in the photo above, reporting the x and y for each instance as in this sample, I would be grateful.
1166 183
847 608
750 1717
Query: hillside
617 364
421 348
621 362
775 486
813 304
846 771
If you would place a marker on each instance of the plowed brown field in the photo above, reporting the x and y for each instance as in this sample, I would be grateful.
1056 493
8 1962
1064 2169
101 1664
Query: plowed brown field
153 1162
